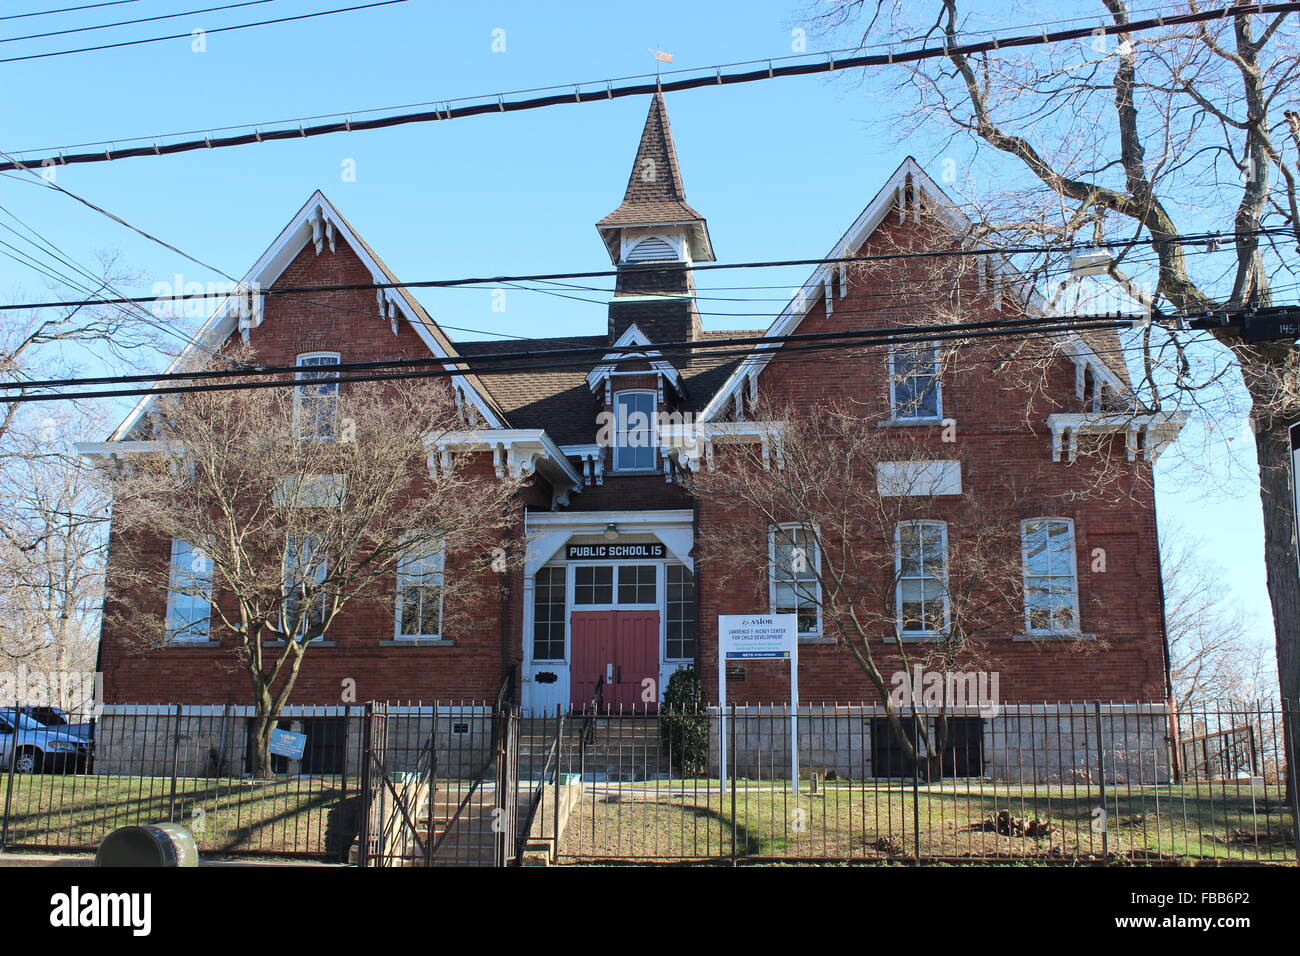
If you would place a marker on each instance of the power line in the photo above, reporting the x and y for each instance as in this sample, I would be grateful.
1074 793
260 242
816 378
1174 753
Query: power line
1193 238
127 23
186 36
46 13
465 99
604 89
636 352
892 337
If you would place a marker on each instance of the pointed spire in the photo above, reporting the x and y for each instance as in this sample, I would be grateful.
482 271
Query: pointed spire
655 195
654 190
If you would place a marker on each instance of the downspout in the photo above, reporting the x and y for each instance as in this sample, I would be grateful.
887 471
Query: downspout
1174 755
507 665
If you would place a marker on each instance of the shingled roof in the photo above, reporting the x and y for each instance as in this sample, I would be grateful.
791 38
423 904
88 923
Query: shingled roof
655 195
562 403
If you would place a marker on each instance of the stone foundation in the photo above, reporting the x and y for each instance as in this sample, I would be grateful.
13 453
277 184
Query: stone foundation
1020 743
211 741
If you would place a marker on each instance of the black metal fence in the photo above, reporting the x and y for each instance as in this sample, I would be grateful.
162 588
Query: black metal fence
1084 782
484 784
64 786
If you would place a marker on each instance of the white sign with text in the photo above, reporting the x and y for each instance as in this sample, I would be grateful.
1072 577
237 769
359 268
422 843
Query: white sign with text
759 637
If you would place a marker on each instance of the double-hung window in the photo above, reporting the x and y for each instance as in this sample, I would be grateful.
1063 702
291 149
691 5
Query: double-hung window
189 593
316 406
634 432
1051 582
305 571
914 390
419 592
921 578
795 587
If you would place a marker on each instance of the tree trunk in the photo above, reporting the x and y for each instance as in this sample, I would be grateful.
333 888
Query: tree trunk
263 725
1273 453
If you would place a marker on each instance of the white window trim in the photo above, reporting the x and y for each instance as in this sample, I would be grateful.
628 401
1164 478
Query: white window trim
816 631
284 589
653 432
898 581
397 613
531 635
297 392
893 385
1025 576
666 657
616 573
172 594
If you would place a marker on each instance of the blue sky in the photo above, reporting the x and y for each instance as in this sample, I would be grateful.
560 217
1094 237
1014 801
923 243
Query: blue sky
779 168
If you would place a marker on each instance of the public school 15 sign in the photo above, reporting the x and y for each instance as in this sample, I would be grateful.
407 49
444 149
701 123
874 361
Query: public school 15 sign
589 552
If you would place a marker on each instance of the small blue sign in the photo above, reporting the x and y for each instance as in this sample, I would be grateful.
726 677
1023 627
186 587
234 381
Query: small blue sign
285 743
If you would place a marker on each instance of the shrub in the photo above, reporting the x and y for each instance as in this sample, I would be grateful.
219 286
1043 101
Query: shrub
684 724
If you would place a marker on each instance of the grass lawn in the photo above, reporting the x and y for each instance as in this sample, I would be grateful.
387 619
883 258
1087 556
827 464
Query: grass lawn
878 820
226 815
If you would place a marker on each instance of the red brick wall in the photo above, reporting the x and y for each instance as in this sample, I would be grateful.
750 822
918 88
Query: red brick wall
1001 444
347 323
994 442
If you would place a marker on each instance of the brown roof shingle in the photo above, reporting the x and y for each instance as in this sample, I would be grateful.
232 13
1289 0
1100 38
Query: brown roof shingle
559 400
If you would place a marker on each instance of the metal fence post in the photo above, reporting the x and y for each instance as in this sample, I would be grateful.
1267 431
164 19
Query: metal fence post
1101 782
731 772
176 754
9 787
916 795
363 820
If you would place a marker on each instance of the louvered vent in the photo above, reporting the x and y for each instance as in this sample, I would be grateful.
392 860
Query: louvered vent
650 250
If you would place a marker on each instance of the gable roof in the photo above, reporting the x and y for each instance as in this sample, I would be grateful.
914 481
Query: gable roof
561 401
655 195
1102 346
318 221
624 348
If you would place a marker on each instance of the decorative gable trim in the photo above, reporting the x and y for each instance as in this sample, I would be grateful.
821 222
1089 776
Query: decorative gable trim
519 452
320 224
600 376
900 193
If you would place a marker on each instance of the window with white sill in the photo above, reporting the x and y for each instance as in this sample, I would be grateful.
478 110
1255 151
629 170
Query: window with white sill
419 593
306 569
914 388
921 578
1051 579
316 406
189 593
795 587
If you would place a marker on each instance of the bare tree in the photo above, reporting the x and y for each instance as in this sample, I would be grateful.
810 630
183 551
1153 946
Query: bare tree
872 549
1136 143
51 562
292 505
1215 651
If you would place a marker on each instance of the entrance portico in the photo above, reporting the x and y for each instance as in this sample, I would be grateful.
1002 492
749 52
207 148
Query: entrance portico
609 601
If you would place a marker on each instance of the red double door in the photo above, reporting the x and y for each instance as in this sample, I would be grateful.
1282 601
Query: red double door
620 649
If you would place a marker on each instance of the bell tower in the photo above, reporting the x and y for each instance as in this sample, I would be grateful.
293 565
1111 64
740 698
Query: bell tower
651 238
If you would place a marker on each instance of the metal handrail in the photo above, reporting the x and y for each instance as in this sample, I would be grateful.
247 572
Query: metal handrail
423 775
588 733
534 802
